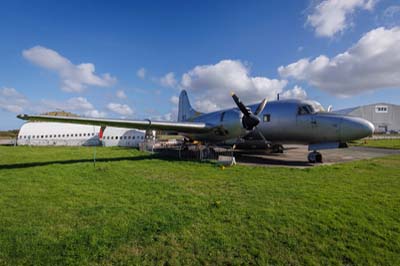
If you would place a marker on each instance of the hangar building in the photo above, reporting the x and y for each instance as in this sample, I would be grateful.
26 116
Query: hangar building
384 116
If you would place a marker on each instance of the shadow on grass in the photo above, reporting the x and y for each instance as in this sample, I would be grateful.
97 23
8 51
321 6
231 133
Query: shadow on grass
259 160
114 159
256 159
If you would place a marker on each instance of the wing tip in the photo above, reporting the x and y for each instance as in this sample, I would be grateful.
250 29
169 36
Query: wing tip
23 116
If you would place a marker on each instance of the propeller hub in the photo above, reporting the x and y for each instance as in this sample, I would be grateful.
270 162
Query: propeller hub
249 120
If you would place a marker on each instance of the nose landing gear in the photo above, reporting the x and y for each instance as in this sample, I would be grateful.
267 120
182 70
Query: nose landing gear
315 157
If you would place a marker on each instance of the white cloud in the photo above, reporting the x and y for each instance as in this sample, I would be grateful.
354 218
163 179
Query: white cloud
121 109
171 116
332 16
74 78
390 17
372 63
72 104
141 73
296 93
15 102
174 100
78 103
121 94
10 92
169 80
211 85
12 101
95 113
392 11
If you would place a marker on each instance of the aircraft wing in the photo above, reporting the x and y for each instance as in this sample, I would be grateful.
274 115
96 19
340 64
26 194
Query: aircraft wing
184 127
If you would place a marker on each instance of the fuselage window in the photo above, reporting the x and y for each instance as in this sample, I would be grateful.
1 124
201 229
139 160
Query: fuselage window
112 137
133 137
76 134
46 136
116 137
84 134
24 137
80 134
267 118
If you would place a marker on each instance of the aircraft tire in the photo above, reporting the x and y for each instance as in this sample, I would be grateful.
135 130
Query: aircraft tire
318 157
315 157
277 148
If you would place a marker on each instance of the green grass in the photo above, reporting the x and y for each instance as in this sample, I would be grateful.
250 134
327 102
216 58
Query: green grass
56 208
378 143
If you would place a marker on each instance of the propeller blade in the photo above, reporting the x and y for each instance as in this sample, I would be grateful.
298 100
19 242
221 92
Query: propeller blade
261 106
242 107
260 133
249 120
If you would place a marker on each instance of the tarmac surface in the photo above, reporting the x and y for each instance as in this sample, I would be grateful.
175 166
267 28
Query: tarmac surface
296 156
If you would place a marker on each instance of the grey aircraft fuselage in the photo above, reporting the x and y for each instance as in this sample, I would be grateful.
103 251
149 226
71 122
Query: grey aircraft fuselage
275 122
285 121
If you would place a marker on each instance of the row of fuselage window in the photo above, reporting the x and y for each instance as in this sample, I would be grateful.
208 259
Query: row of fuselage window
76 135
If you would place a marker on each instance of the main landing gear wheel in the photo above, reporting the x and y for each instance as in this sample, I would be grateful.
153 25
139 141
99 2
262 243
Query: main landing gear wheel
315 157
277 148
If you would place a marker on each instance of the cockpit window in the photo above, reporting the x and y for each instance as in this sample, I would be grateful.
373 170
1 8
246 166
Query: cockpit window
305 110
318 108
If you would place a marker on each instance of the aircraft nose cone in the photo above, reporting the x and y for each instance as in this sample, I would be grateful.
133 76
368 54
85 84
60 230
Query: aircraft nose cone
356 128
370 128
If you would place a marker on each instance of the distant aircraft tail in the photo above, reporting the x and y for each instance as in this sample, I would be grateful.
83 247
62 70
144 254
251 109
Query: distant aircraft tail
185 111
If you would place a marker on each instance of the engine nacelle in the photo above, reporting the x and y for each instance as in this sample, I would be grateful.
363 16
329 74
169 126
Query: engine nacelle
227 125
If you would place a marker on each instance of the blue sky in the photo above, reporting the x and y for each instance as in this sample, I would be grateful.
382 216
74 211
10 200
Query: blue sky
206 47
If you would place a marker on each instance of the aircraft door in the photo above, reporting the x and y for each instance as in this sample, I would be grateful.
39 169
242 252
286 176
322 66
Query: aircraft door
306 123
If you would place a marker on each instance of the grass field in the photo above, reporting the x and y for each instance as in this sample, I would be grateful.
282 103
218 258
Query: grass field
57 208
378 143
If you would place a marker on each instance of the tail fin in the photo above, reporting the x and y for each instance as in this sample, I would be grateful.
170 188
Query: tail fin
185 111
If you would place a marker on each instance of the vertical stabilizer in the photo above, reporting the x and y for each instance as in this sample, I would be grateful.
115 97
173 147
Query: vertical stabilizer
185 111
